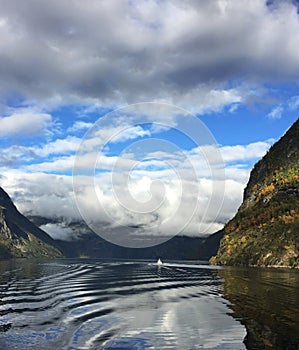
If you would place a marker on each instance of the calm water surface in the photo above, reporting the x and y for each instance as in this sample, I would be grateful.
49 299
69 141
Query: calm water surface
80 304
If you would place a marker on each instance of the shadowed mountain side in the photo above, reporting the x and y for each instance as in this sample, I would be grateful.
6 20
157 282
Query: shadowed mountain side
177 248
89 244
19 237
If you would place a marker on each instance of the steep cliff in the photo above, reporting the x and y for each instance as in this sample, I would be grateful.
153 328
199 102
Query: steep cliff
265 230
19 237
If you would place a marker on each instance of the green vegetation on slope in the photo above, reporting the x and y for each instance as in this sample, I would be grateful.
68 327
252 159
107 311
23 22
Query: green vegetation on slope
265 230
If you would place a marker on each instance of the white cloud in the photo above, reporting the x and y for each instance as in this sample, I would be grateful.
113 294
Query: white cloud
59 146
18 154
120 133
276 113
79 125
62 164
47 195
161 183
293 103
58 231
28 124
245 152
205 98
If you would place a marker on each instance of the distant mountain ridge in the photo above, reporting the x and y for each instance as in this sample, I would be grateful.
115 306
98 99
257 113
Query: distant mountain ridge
265 230
21 238
89 245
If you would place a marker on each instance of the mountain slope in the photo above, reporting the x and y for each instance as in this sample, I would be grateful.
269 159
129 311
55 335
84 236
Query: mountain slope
265 230
19 237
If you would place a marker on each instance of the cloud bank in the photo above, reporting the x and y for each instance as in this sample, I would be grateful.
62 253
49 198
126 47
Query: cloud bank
185 51
37 190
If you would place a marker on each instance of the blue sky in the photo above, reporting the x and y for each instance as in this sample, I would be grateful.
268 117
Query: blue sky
233 65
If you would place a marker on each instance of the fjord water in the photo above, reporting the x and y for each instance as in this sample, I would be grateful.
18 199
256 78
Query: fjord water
81 304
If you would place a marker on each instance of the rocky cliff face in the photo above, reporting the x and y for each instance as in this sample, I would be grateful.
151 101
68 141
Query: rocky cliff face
19 237
265 230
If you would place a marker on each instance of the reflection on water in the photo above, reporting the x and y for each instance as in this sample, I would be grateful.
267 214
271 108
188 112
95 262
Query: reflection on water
266 301
70 304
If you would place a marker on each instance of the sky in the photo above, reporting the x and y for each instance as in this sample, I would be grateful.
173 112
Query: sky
142 116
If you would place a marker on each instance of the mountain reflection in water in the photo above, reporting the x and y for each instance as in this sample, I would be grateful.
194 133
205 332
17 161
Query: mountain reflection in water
266 301
89 304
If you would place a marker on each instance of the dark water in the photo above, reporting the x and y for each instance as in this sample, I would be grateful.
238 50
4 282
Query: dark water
75 304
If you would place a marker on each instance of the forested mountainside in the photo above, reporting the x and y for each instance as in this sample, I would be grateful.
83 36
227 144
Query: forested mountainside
265 230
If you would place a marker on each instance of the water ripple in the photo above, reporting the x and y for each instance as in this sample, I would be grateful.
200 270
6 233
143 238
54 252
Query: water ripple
100 305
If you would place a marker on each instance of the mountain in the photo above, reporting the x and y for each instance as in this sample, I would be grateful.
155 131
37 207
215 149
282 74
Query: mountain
265 230
19 237
85 243
177 248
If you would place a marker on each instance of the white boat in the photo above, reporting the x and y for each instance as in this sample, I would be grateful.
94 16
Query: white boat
159 262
